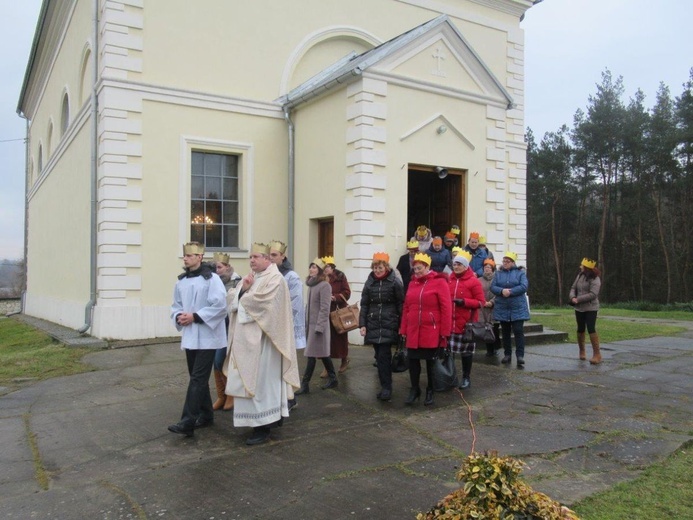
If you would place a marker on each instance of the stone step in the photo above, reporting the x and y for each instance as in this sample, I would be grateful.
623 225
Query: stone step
536 334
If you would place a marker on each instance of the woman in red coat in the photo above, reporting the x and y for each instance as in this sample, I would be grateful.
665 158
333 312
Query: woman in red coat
468 297
426 322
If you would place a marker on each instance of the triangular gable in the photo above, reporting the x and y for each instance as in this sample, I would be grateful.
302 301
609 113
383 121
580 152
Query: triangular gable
471 73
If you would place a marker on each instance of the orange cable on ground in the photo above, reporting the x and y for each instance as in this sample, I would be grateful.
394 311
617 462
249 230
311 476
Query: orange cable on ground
471 422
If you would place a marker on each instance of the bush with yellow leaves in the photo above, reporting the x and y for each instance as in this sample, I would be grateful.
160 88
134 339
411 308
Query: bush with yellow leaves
492 490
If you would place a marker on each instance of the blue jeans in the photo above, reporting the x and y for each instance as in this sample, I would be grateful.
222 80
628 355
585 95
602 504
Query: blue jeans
219 358
518 331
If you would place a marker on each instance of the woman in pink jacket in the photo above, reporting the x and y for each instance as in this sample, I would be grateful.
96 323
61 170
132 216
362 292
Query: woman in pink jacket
467 298
426 322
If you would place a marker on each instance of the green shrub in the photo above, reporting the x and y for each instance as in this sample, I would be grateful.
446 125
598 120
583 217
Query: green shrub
493 490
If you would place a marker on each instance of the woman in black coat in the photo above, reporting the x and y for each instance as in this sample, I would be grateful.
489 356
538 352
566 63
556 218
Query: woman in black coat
381 307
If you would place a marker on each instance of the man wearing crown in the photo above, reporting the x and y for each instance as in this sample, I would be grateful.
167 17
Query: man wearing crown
198 312
261 366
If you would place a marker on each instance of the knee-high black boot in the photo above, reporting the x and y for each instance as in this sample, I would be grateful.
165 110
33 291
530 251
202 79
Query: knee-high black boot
331 374
466 371
307 375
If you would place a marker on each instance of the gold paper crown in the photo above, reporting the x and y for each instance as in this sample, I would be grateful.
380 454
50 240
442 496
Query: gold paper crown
482 239
328 260
278 246
473 234
511 255
193 248
262 249
456 251
318 261
377 257
413 244
455 230
589 264
421 231
221 257
422 257
465 254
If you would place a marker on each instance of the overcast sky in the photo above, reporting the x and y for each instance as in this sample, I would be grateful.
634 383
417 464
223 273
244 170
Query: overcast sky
569 43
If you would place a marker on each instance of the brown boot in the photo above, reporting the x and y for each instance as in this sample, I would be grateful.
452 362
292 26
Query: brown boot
220 382
596 355
581 344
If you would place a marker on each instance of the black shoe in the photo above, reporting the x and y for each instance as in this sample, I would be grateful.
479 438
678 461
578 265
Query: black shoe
181 429
414 394
305 389
385 395
203 423
466 383
506 359
291 404
520 361
429 397
331 383
278 423
260 435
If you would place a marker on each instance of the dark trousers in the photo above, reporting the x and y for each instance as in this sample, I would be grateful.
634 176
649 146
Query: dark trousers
518 330
586 319
198 402
383 358
415 373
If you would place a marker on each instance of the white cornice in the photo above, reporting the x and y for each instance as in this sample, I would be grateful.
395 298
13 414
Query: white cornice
514 7
434 88
197 99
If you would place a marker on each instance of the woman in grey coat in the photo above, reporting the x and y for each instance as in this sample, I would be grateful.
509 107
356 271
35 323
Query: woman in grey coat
584 296
318 326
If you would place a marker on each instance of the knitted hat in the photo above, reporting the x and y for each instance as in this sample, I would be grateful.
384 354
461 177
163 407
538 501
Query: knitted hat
459 259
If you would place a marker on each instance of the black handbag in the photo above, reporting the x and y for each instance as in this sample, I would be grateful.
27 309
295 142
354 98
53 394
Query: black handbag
444 371
475 331
400 360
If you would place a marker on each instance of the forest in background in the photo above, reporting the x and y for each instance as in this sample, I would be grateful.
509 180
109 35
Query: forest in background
616 187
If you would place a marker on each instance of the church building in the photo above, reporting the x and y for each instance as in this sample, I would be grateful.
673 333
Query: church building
336 126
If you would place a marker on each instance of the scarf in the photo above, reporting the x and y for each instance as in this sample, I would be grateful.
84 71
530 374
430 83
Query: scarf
205 271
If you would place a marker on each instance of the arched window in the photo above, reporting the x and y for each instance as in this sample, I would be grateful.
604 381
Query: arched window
49 140
85 78
65 115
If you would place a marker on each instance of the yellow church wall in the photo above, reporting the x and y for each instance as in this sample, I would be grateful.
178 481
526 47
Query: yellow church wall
58 239
231 46
320 174
172 132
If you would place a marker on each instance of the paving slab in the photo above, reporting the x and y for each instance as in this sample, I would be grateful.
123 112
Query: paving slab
102 438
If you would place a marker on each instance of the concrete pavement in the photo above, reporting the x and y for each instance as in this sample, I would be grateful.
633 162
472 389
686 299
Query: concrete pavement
101 437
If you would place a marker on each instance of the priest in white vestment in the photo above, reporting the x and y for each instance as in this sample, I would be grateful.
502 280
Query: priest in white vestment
261 364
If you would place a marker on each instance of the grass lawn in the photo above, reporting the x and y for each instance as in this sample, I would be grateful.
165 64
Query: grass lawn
663 490
28 354
563 319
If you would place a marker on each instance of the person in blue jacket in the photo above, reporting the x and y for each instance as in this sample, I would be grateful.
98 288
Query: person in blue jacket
511 308
479 254
440 257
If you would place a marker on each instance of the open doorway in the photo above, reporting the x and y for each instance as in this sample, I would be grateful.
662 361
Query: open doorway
435 202
326 237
